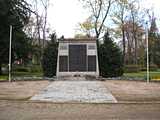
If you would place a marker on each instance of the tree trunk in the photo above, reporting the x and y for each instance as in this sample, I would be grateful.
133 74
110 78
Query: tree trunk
124 46
135 43
38 30
135 54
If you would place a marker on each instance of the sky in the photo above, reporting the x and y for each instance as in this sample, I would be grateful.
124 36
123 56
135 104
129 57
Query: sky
64 15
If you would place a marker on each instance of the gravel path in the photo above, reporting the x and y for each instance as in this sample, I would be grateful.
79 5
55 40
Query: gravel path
76 91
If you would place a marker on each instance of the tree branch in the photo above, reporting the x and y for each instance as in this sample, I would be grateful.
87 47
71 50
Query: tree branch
106 14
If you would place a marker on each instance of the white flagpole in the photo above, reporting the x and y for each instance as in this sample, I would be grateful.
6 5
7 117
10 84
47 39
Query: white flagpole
147 53
10 52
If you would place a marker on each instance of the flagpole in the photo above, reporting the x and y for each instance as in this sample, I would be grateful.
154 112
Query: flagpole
147 52
10 52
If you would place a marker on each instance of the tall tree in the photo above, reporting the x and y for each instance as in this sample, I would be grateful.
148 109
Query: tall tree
45 4
153 38
49 61
134 14
130 41
110 56
16 13
156 56
119 18
38 29
86 27
100 11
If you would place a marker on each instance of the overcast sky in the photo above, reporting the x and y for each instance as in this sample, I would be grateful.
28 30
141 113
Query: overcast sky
64 15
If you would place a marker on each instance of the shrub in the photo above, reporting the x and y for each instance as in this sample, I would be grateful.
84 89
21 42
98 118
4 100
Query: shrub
20 69
143 69
35 68
131 68
153 67
110 58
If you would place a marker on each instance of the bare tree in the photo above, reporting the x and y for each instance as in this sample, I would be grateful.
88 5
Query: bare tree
100 10
133 12
87 27
37 22
33 29
37 28
45 4
130 41
136 18
40 14
119 18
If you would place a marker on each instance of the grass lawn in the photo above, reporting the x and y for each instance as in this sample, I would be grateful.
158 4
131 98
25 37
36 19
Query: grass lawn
23 71
27 74
3 77
153 74
21 74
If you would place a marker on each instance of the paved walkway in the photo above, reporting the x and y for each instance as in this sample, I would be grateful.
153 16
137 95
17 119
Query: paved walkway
75 91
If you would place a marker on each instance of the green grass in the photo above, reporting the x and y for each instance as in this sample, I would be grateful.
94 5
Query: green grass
21 74
3 77
153 74
27 74
24 71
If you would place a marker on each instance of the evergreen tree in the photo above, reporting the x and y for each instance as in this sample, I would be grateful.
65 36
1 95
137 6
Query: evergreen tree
110 58
154 43
156 51
152 36
49 61
15 13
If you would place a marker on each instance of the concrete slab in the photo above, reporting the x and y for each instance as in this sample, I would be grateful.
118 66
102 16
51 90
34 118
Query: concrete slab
75 92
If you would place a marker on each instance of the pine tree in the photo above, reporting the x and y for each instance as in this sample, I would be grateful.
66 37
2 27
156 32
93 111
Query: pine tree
110 58
49 61
17 14
154 43
156 50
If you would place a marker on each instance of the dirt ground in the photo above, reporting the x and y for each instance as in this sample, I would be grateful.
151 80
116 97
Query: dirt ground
20 90
19 110
134 91
14 104
123 91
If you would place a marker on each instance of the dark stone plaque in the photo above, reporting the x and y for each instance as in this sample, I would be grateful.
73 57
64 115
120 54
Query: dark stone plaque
77 58
91 63
63 63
